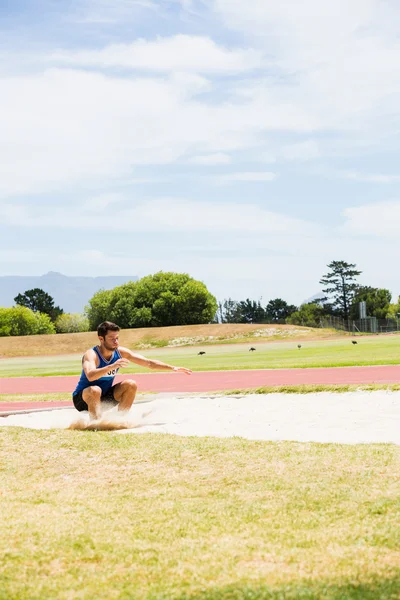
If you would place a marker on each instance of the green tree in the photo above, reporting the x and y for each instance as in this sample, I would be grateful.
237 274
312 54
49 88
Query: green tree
278 310
308 315
20 320
129 308
250 311
39 301
340 286
98 308
155 300
394 310
230 311
44 325
377 300
72 323
175 299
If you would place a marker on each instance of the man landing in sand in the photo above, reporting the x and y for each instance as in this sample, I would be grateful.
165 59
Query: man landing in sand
100 364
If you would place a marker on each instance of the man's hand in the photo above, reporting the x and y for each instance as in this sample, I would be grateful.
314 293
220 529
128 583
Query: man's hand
121 363
183 370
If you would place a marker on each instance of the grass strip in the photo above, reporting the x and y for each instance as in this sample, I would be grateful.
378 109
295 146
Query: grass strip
50 397
313 389
313 354
161 517
62 397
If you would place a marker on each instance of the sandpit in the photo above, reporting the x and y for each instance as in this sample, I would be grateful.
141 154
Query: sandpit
348 418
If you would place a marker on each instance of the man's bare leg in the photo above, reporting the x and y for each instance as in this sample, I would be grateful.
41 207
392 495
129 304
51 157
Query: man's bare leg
92 396
125 393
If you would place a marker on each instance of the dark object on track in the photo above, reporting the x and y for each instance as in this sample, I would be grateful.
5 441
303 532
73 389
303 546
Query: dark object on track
201 353
354 342
252 350
299 346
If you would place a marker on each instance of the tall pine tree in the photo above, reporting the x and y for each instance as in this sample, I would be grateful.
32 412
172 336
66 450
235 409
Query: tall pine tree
340 286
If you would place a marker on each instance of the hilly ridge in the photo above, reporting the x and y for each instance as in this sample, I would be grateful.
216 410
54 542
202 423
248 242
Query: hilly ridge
69 293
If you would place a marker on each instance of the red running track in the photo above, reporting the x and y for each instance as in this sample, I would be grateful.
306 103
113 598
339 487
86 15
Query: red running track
205 381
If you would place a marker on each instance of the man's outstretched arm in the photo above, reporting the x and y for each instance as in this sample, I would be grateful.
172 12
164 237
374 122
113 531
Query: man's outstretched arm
149 363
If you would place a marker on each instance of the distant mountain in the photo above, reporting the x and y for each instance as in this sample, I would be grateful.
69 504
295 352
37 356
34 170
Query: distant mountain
70 293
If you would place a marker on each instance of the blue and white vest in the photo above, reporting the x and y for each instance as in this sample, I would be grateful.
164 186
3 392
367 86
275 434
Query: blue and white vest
104 382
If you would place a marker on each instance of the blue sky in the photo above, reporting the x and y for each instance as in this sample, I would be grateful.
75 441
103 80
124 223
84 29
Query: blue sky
245 143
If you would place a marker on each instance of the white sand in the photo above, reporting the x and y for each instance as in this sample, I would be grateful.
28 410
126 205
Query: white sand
350 418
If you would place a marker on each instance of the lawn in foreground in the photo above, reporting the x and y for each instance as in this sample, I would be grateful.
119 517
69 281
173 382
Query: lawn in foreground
271 355
105 515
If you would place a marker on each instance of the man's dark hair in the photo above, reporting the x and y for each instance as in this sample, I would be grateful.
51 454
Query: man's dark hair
105 327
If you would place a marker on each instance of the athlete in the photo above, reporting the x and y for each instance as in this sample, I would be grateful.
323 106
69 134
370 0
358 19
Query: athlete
95 389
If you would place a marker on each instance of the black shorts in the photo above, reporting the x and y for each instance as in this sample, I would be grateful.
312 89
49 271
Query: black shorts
107 398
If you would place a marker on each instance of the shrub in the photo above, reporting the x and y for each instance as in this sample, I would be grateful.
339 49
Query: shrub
20 320
72 323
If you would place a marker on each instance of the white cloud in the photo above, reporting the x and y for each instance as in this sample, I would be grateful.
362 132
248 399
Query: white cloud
165 214
300 151
101 201
333 69
378 219
306 150
95 257
14 257
339 57
210 159
371 178
64 127
332 72
249 176
101 12
178 53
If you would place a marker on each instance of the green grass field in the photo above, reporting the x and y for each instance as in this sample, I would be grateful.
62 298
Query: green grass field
270 355
158 517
